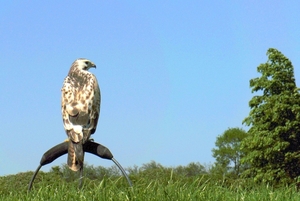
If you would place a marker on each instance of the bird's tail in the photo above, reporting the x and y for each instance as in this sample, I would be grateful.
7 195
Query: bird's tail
75 155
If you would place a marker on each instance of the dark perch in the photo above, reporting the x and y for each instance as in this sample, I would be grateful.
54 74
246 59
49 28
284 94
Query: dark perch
90 147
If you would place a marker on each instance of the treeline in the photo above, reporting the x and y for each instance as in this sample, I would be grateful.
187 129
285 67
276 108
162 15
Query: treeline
151 169
151 181
192 174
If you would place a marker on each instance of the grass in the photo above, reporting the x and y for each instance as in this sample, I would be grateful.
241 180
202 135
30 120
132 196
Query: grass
154 186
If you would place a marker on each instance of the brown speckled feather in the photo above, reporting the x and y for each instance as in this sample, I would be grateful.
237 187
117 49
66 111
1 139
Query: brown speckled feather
80 106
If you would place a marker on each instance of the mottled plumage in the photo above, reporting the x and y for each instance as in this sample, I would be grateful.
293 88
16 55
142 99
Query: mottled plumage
80 105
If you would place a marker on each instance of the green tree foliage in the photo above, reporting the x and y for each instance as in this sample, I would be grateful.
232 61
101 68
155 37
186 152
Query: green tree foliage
228 150
151 166
133 170
192 169
273 142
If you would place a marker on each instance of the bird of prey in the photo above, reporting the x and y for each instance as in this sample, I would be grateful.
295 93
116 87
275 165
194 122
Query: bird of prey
80 106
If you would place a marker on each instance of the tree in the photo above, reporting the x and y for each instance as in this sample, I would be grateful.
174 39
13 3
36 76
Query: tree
133 170
191 170
228 149
273 141
152 165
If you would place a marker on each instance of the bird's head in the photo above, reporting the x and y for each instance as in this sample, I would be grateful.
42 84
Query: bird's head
81 65
84 64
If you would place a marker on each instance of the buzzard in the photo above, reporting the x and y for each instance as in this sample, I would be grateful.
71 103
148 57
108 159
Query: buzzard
80 106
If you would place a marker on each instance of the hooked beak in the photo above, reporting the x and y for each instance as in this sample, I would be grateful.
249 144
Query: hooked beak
93 65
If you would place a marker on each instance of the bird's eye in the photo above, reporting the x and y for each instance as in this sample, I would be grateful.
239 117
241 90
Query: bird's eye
86 62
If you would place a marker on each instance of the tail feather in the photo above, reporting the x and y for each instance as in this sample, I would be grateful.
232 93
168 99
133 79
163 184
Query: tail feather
75 155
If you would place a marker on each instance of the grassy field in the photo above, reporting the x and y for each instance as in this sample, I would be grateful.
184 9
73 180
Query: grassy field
153 186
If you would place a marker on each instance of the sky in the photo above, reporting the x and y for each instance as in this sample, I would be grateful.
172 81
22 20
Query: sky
173 74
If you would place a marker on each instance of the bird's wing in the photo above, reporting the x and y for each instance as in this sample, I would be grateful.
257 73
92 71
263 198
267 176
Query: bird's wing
67 99
95 110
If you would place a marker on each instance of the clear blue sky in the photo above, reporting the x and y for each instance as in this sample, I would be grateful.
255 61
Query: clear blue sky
173 75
